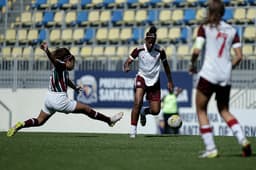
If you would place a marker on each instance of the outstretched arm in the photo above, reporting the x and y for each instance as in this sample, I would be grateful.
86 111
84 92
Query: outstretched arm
73 86
44 47
167 71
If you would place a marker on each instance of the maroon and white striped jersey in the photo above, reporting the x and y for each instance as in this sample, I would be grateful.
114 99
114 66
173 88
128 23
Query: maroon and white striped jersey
218 41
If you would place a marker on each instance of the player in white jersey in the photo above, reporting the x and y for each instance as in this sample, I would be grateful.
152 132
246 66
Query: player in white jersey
57 99
147 80
217 38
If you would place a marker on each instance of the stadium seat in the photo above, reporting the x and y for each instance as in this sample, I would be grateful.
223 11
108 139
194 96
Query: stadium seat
86 52
67 35
183 51
129 17
97 3
39 54
179 3
42 35
229 14
120 3
85 3
74 3
144 3
10 36
58 19
174 34
39 4
27 52
89 35
249 34
102 35
153 16
165 3
191 3
53 3
105 17
138 35
250 16
63 4
117 17
110 52
132 3
200 15
6 53
75 50
170 51
82 18
98 52
70 18
109 3
141 16
165 16
16 52
177 16
162 34
48 17
94 17
238 3
122 51
26 19
239 16
55 36
3 3
38 18
126 34
114 35
189 16
78 35
22 36
248 51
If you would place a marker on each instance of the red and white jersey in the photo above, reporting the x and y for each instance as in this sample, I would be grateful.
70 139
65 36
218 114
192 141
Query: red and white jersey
149 63
218 41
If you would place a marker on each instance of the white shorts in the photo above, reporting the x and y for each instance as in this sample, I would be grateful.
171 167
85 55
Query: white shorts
58 102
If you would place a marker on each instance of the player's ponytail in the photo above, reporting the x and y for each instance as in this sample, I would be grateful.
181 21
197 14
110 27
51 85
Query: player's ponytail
151 32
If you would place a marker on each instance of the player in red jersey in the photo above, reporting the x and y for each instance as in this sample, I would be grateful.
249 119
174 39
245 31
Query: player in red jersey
57 98
217 37
147 79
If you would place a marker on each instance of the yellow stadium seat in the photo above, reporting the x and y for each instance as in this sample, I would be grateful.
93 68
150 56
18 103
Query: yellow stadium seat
174 34
10 36
16 52
26 18
57 20
129 16
102 34
110 52
250 16
27 52
75 50
98 51
177 16
122 51
239 15
94 17
200 14
140 16
40 54
22 36
78 35
86 52
165 16
170 51
126 34
6 53
162 34
74 3
105 17
67 35
96 3
114 34
183 51
55 36
38 18
70 18
248 51
32 36
250 33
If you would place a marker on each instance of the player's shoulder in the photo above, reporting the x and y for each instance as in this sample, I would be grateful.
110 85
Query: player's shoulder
159 48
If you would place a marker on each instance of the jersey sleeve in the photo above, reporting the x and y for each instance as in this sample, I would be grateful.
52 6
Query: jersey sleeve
236 41
134 54
200 39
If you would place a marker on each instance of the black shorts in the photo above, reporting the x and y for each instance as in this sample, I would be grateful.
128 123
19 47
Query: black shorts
208 88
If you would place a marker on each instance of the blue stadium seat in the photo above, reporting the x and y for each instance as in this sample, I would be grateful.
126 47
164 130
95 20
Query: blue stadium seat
137 34
89 35
60 3
42 35
108 3
153 16
154 2
179 3
132 3
229 14
189 16
38 3
82 16
3 3
184 35
202 2
84 3
117 17
48 17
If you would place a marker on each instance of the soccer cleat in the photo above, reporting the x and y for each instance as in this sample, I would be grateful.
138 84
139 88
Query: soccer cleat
246 148
132 135
115 119
209 154
143 119
11 132
133 131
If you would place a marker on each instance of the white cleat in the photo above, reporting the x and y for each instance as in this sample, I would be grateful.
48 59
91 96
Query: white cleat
132 136
115 119
209 154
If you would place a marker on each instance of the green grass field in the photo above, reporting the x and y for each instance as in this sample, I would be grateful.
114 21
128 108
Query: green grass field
75 151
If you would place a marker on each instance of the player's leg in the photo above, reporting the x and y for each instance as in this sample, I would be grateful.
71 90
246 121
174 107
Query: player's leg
222 97
203 95
33 122
87 110
138 100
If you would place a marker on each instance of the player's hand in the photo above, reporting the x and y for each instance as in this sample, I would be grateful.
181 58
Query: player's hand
126 68
78 89
44 46
170 87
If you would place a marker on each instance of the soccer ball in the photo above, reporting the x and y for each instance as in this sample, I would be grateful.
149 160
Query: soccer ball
175 121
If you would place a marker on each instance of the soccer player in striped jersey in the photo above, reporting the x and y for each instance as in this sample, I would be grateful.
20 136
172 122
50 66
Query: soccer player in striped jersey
147 80
217 37
56 99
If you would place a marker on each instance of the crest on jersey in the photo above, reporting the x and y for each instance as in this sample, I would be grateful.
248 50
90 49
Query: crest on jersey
89 89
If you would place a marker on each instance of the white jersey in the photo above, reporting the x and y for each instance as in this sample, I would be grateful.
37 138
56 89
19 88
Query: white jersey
217 64
149 63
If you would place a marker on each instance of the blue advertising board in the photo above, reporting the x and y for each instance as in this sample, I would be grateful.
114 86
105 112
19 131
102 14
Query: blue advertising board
115 89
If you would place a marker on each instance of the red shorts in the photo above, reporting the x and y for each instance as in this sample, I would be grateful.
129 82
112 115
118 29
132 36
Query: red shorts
153 93
208 88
